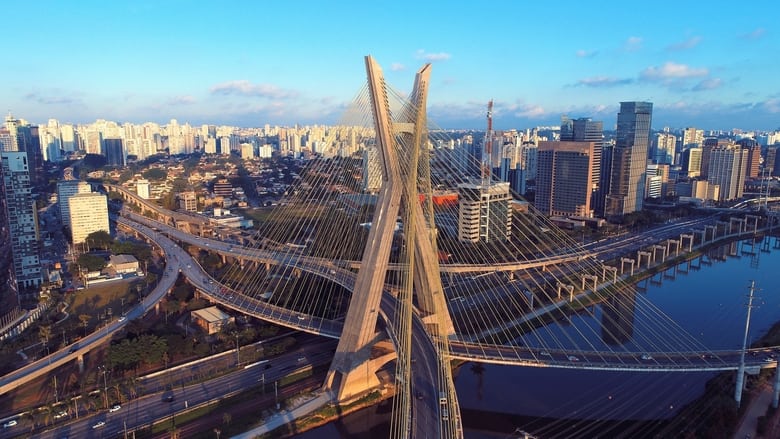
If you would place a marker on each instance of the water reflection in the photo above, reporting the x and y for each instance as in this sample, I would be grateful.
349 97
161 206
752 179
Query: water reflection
617 318
705 296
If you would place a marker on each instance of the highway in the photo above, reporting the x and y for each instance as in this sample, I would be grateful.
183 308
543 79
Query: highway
174 255
142 412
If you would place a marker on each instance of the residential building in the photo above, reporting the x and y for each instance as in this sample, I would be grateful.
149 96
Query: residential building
21 218
484 212
727 168
65 190
664 148
88 214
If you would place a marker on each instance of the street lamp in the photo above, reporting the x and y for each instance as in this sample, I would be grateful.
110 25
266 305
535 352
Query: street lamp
105 384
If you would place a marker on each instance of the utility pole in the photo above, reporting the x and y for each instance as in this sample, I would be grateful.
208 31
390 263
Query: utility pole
741 370
276 394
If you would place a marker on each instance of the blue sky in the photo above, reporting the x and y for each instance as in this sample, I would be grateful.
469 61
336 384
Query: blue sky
248 63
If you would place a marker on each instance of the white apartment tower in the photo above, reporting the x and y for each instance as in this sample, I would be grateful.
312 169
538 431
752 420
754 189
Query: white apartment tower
65 190
484 212
88 214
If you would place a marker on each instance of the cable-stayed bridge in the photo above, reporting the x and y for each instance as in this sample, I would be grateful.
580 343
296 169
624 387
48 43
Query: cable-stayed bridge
366 248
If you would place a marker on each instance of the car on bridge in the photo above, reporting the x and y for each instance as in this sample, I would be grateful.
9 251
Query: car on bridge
647 357
573 358
10 423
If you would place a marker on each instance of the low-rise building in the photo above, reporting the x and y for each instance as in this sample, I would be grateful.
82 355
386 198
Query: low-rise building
211 319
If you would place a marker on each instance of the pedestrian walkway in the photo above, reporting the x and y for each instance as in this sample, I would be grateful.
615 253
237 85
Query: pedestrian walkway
286 416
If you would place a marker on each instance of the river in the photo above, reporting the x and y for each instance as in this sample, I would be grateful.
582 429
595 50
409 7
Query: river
707 298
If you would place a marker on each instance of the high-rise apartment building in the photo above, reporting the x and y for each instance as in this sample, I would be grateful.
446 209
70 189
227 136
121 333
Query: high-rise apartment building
727 168
114 151
691 161
563 178
484 212
21 218
629 159
664 148
692 137
88 214
754 156
65 190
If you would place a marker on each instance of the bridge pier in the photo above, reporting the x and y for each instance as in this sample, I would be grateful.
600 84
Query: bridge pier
639 255
622 266
669 243
776 389
714 233
663 252
604 269
80 362
595 279
689 237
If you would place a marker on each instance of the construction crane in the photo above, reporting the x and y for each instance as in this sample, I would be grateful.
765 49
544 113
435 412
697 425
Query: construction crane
487 152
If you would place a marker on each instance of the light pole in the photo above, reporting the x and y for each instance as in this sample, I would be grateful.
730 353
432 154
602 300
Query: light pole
105 384
237 350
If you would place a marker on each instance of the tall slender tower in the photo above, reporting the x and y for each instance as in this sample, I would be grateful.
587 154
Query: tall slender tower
629 159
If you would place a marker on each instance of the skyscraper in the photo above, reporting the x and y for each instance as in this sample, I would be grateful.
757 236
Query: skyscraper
114 151
586 130
21 218
629 159
563 178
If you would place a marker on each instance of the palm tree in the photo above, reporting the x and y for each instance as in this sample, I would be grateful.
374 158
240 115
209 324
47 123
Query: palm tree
85 318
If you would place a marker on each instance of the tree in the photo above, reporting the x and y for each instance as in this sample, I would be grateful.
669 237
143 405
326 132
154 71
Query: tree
44 332
85 318
155 174
91 262
100 239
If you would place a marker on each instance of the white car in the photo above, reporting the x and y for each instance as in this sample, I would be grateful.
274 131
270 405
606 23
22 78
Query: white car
99 424
10 423
114 408
647 357
122 319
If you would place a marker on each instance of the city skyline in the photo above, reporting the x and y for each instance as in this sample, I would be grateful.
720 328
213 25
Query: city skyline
248 64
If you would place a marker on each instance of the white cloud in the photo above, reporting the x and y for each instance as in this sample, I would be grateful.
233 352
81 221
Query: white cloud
690 43
754 35
586 53
708 84
603 81
242 87
181 100
632 44
431 57
672 71
397 67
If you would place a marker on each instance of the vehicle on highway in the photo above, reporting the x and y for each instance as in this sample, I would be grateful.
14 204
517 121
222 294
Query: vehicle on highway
168 398
115 408
61 414
122 319
573 358
647 357
98 424
10 423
